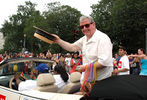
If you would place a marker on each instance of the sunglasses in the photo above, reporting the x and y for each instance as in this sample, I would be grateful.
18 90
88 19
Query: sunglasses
86 25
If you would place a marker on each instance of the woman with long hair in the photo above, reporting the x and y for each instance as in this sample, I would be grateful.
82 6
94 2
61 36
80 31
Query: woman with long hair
61 77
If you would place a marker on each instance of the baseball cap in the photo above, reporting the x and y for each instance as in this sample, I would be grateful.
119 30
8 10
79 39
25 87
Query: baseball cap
42 68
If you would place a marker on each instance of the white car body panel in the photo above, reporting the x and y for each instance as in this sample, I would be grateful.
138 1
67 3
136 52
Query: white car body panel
9 94
35 95
52 96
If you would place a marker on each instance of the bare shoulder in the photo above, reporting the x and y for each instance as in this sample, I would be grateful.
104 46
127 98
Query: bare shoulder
143 56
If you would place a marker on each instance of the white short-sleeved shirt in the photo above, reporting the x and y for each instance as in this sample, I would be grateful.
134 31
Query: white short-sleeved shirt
123 63
32 84
98 47
59 82
27 85
67 60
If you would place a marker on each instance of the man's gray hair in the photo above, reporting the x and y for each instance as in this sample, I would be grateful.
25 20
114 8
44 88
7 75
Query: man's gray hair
84 17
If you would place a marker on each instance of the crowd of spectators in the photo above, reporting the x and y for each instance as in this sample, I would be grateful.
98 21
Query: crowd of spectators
132 64
70 60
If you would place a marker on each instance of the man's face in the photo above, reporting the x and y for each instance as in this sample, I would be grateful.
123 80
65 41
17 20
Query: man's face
121 52
87 27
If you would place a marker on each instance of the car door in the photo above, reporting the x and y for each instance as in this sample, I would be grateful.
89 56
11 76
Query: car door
8 94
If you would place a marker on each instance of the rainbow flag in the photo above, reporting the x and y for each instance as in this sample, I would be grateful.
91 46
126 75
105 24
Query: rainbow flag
22 76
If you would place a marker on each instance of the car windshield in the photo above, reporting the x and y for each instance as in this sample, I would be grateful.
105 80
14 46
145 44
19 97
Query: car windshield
17 67
13 68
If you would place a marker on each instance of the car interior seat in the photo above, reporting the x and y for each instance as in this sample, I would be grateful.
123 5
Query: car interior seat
74 84
45 83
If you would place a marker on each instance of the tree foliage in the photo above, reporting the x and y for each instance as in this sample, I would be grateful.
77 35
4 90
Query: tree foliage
123 20
62 20
58 19
13 30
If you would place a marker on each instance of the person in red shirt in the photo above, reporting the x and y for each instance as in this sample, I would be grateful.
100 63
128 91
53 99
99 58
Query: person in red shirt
75 61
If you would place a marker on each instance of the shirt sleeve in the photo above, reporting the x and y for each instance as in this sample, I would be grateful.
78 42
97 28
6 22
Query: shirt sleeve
79 43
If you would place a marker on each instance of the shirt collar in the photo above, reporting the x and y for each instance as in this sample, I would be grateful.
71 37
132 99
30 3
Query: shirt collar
93 38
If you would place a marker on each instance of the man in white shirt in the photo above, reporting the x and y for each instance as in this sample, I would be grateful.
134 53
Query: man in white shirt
123 64
68 60
95 46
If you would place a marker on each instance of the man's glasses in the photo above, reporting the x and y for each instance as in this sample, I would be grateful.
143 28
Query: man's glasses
86 25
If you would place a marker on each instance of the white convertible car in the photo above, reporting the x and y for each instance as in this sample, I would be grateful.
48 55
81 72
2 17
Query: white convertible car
8 88
123 87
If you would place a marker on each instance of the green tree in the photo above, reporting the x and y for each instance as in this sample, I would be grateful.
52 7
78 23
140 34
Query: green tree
62 20
33 44
58 19
13 30
123 20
